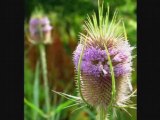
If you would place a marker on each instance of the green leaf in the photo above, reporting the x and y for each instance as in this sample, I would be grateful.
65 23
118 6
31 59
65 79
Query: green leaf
31 105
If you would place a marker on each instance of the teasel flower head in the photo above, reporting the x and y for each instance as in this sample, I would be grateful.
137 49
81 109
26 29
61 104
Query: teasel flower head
103 62
40 29
103 66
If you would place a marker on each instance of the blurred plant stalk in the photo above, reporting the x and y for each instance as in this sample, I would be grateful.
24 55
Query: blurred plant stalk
40 32
36 90
44 74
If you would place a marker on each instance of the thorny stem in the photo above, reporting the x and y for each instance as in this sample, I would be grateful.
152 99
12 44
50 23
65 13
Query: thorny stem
44 73
101 113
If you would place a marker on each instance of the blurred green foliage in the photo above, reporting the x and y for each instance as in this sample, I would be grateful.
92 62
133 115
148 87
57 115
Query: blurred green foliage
67 17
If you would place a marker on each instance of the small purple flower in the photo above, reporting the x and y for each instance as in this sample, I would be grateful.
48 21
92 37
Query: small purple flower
39 28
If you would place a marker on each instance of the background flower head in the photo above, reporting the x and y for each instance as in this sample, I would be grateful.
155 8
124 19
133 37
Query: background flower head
40 28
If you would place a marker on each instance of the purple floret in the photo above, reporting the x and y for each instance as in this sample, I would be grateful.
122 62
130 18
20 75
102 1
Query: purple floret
95 60
34 24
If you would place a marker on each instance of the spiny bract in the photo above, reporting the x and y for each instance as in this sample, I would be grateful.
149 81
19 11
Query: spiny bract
95 79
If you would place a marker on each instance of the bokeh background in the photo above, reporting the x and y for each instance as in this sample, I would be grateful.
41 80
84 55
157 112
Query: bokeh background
67 17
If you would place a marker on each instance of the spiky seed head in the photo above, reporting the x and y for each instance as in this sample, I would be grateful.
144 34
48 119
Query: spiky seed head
95 79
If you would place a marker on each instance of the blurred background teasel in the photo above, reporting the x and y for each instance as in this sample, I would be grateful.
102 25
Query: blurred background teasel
66 18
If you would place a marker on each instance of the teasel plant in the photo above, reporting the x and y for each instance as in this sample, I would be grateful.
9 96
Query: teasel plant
103 66
39 35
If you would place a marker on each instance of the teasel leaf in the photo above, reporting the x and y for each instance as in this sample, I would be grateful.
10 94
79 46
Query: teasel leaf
70 97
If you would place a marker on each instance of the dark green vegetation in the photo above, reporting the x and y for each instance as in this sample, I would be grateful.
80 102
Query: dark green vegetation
67 17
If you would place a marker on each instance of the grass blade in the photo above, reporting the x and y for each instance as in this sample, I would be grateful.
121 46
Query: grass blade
39 111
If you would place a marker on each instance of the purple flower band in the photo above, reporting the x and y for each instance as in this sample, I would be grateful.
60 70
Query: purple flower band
95 60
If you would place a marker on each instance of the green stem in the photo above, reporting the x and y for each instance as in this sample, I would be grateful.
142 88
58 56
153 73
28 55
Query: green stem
44 73
101 113
36 90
